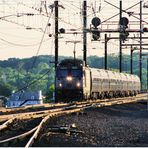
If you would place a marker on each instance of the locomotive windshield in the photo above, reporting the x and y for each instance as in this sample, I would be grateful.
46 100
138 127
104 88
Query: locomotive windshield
76 73
62 73
72 72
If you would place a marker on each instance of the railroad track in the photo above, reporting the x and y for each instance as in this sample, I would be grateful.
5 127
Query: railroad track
46 115
17 131
33 108
36 130
55 107
35 113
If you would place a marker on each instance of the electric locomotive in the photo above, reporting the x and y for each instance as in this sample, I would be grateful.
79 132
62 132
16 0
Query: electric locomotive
71 84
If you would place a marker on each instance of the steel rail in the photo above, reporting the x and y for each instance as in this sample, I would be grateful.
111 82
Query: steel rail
21 136
121 101
35 135
33 114
3 110
6 124
37 128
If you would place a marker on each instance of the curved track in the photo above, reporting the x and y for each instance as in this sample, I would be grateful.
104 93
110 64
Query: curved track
39 118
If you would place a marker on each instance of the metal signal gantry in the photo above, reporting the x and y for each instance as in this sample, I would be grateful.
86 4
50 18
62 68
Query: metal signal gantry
117 38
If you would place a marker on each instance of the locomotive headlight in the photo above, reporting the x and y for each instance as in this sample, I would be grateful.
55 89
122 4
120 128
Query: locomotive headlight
69 78
60 84
78 84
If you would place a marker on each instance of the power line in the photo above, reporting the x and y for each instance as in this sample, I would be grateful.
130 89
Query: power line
41 42
22 45
33 82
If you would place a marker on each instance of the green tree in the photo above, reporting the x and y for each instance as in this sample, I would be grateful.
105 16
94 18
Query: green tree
5 90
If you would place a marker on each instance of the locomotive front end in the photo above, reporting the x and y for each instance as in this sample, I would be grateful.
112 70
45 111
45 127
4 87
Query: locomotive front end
69 80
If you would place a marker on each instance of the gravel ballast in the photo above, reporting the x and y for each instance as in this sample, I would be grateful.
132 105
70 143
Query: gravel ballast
118 125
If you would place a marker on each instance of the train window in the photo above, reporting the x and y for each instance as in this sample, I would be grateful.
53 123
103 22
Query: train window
62 73
65 72
76 73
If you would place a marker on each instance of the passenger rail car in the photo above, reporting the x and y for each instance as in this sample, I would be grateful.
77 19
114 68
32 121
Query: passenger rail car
76 82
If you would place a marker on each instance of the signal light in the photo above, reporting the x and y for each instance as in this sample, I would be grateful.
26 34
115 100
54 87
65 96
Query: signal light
124 35
62 30
95 34
49 24
124 22
50 35
96 21
144 30
123 26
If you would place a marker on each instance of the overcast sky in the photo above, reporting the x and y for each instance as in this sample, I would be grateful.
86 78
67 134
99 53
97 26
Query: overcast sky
18 41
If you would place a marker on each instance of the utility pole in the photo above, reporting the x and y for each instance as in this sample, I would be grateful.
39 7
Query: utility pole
120 41
56 42
105 59
84 32
147 75
56 32
131 60
147 83
140 55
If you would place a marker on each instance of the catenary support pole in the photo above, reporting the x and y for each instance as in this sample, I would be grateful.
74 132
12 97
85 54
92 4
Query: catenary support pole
105 59
120 41
131 60
56 43
84 32
140 55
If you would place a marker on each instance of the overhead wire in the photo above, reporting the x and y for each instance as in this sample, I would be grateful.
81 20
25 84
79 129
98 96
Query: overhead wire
61 20
35 58
126 11
18 36
79 28
44 14
22 45
32 82
26 26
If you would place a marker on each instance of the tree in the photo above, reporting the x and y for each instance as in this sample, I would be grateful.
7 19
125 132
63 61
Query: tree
49 93
5 89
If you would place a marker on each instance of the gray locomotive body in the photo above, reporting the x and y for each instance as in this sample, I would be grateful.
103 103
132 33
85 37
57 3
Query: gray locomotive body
76 82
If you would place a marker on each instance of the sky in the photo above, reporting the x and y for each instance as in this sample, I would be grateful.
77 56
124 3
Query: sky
17 40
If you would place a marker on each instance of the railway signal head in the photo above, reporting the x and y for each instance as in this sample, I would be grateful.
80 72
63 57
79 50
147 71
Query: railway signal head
62 30
123 26
95 32
96 22
124 22
124 35
144 30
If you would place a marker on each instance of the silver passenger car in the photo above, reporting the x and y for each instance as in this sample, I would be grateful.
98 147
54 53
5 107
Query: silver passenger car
107 83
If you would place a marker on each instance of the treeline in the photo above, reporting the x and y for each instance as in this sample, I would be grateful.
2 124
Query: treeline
37 73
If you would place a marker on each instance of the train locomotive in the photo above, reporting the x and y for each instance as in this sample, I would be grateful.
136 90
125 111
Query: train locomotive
75 82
